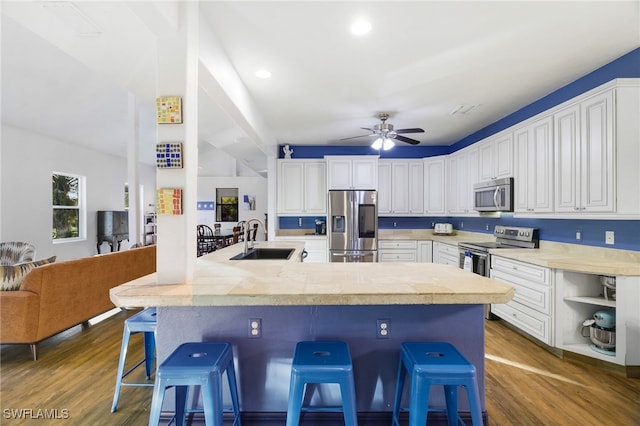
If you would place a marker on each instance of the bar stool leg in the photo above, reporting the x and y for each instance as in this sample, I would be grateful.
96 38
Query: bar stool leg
123 356
156 403
233 389
474 402
419 401
349 401
451 396
149 352
181 403
212 400
295 400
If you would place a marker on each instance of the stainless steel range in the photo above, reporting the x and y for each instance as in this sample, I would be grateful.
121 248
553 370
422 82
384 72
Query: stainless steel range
509 237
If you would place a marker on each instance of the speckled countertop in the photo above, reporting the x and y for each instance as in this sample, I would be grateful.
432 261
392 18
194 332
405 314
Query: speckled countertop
219 281
571 257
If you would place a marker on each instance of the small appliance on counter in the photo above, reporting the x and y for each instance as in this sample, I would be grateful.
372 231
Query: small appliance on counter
321 227
443 229
602 332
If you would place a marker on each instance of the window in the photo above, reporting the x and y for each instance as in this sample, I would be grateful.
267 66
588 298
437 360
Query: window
226 204
68 213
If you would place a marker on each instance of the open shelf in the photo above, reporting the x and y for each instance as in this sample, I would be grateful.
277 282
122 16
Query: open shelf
585 349
599 301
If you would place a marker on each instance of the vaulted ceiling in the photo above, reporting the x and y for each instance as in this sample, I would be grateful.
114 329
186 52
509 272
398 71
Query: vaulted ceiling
70 69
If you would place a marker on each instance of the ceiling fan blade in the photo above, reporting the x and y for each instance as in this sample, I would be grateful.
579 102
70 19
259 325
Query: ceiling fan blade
356 137
414 130
407 140
366 128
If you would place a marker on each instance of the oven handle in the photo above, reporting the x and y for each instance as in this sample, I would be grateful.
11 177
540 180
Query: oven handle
482 254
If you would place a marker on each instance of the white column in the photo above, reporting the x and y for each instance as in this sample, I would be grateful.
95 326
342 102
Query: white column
133 175
178 76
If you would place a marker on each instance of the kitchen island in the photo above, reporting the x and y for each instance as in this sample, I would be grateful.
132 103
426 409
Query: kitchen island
294 301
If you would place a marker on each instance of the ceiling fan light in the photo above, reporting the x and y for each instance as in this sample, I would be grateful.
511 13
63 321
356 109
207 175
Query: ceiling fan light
377 144
388 144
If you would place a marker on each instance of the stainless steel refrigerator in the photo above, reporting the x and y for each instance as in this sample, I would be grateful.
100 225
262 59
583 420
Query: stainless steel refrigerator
353 226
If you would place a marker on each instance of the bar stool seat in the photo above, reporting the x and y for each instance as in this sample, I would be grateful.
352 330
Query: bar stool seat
322 362
435 363
142 322
199 364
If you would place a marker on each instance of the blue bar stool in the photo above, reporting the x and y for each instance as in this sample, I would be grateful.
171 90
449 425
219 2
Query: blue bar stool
322 362
435 363
142 322
197 364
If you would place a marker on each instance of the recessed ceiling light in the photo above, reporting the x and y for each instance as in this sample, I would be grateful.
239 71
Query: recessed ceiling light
360 27
263 73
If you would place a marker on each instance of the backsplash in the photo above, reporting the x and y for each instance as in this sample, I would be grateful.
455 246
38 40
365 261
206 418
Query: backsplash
627 232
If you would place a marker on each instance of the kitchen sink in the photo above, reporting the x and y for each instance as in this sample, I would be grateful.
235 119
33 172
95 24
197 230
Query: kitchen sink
265 253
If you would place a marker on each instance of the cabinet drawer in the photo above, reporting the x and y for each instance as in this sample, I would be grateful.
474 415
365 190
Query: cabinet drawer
446 248
397 255
527 271
398 244
536 296
534 323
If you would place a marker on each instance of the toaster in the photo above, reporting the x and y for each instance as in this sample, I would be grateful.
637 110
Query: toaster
443 228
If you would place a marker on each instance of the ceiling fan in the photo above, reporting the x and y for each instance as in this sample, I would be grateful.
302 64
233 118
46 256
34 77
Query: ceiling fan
385 134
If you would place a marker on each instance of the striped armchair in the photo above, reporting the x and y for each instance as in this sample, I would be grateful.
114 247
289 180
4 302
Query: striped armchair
12 253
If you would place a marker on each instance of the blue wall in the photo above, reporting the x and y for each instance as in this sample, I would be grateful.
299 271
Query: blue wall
627 232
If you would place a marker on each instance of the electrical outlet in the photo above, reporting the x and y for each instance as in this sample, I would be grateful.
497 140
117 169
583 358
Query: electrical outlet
578 235
299 222
609 237
255 328
461 225
395 224
486 227
433 224
383 328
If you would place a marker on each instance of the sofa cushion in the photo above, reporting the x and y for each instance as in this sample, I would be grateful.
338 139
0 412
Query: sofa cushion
11 276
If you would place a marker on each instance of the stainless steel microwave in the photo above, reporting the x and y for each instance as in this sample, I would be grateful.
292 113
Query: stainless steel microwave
493 196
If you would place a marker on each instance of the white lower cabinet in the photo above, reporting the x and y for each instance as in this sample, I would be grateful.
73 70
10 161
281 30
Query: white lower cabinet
316 248
397 251
425 251
580 296
531 308
446 253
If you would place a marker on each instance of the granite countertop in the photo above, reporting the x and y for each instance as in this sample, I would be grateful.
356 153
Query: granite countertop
571 257
219 281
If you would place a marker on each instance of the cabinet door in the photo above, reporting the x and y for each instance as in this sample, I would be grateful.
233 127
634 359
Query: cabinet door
534 167
290 187
596 157
400 187
567 153
434 175
416 187
365 173
457 182
425 251
384 187
472 178
315 187
485 160
503 156
339 172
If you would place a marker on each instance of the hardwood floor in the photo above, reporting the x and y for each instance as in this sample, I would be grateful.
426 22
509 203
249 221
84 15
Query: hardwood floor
525 384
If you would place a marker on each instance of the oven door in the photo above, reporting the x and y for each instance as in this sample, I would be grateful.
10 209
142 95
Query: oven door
479 265
479 261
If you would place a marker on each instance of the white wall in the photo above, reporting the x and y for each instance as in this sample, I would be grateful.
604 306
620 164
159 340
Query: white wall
255 186
27 162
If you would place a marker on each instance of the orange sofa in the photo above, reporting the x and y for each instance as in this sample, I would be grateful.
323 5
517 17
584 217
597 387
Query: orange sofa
58 296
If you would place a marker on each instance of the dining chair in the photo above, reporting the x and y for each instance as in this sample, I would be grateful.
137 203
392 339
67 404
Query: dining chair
206 240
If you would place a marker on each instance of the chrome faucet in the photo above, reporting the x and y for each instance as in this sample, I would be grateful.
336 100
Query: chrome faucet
245 250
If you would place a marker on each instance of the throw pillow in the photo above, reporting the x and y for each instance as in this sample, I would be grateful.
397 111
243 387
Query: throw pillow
11 276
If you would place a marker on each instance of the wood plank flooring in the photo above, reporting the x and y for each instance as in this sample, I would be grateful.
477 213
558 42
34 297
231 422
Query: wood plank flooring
525 384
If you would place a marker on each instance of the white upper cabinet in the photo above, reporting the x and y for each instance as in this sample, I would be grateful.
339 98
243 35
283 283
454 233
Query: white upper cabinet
302 187
400 187
584 144
495 157
352 172
533 174
435 185
462 170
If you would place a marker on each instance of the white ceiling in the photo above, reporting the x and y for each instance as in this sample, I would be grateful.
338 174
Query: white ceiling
420 61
